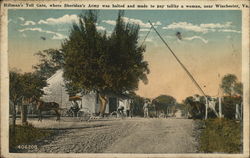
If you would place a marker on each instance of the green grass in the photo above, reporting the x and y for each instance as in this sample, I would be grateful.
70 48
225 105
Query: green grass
221 136
26 134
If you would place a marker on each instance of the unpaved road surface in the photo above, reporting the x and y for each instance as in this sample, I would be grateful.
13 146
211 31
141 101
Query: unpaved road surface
136 135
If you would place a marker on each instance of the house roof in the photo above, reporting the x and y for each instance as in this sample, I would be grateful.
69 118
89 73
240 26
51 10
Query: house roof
71 98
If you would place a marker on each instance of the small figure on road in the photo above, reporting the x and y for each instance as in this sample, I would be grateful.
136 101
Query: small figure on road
75 108
120 109
145 108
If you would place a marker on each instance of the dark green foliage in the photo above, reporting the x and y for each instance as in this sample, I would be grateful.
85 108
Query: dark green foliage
137 105
95 62
231 86
221 136
238 88
22 88
51 60
163 102
15 86
196 109
234 91
25 85
72 88
26 134
229 106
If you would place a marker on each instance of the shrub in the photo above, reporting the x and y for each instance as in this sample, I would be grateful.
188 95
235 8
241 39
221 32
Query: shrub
228 106
221 135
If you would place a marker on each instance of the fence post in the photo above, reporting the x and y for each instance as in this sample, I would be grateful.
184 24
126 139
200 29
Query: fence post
237 111
206 108
220 108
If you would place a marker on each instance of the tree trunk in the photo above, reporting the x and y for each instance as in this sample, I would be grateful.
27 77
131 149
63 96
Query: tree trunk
24 114
13 131
103 103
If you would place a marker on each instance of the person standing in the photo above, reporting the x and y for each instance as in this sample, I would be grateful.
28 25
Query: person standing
145 109
120 109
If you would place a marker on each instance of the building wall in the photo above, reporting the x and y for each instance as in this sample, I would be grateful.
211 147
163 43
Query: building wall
56 92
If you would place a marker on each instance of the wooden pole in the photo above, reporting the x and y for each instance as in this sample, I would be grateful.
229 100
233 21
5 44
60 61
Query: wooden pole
237 111
220 108
182 65
206 108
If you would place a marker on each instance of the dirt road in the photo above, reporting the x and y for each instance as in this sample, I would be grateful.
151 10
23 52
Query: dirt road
137 135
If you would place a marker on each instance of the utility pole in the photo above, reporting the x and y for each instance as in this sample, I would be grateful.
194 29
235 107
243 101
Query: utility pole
220 108
185 69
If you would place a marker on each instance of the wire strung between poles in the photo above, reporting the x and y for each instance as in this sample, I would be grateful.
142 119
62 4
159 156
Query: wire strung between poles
146 36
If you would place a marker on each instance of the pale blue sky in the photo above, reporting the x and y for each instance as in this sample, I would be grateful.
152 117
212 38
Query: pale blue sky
210 44
55 24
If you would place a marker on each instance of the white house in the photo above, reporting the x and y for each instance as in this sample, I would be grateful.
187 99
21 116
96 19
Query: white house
56 92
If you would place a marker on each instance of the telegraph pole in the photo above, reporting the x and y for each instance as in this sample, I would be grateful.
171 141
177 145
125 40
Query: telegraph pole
185 69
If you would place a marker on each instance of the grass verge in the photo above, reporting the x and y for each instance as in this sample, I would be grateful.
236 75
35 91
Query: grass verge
26 134
221 136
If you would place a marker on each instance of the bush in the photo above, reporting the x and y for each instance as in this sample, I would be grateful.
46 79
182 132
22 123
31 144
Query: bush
221 135
25 134
228 106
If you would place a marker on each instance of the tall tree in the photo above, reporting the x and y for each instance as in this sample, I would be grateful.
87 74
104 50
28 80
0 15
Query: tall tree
106 65
137 105
15 88
23 87
50 60
231 86
164 102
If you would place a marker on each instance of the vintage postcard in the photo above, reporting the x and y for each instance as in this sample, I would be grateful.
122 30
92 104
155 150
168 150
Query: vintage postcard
124 78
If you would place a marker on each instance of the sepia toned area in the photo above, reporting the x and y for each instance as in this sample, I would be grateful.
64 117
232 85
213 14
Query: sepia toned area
132 81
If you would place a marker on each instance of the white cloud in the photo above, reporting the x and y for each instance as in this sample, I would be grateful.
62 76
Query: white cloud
21 18
144 30
100 28
196 37
186 26
31 29
158 23
110 22
61 20
203 28
229 30
55 34
217 25
140 22
58 36
29 23
149 40
134 21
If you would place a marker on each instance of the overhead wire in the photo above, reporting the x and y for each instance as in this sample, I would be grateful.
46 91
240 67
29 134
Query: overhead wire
178 60
146 36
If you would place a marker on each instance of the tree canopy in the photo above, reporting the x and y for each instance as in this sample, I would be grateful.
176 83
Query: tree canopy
231 86
50 60
162 102
101 63
25 85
